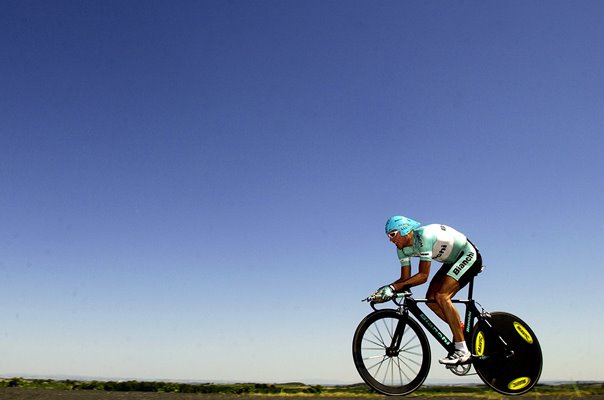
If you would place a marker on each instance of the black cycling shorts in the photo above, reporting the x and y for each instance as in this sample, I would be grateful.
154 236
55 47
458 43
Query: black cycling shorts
467 266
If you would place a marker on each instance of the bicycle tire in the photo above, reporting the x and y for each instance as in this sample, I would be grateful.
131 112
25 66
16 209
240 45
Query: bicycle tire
508 372
395 373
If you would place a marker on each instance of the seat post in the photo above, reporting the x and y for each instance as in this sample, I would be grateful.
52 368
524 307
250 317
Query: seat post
471 285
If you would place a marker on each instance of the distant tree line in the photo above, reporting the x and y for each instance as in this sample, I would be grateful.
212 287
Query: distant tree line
165 387
562 390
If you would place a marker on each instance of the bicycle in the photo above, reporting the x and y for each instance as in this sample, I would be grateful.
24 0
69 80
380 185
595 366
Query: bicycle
392 354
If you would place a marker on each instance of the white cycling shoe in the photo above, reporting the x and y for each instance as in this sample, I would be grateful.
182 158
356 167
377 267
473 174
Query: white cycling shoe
457 357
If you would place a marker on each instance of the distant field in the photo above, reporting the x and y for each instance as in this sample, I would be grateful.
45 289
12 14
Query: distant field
57 394
34 389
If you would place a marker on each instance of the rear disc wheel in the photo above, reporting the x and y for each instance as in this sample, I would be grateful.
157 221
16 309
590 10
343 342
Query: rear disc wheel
511 369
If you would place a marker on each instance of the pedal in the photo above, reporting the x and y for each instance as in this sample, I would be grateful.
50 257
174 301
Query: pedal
460 369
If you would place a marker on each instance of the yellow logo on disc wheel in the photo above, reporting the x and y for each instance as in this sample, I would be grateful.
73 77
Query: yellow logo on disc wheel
479 344
523 332
519 383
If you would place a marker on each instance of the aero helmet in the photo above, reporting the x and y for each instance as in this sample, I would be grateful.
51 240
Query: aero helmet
401 224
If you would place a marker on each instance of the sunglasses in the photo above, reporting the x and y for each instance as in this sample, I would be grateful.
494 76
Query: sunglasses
392 234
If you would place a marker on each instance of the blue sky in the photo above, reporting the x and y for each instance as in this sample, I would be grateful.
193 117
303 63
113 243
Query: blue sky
198 189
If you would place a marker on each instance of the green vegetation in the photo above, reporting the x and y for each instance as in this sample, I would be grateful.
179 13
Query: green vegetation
166 387
291 389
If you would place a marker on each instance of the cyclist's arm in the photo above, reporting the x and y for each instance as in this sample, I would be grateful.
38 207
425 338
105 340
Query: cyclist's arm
415 280
405 272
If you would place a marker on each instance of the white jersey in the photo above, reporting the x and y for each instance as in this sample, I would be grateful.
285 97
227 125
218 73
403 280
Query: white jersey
434 242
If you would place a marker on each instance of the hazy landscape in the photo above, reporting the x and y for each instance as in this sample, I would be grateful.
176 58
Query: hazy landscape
33 389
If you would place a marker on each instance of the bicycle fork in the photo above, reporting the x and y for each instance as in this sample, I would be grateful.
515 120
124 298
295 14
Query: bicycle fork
397 336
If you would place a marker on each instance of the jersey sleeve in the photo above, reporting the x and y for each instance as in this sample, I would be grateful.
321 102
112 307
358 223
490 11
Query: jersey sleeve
425 243
403 258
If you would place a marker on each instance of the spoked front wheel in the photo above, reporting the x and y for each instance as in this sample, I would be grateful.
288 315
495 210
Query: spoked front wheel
391 353
508 354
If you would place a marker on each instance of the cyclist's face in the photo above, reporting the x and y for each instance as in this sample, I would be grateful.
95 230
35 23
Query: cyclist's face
401 241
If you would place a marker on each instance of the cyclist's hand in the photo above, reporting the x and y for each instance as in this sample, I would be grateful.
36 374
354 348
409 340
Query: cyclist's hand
383 294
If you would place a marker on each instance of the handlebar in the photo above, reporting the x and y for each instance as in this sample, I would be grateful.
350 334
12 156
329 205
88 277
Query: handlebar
396 299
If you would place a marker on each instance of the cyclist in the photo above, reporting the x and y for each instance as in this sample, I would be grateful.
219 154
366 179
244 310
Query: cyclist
461 261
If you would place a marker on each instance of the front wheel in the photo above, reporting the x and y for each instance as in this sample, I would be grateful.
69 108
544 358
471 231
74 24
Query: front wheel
391 353
507 353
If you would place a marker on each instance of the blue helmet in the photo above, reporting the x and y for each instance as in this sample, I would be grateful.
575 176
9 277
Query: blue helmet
401 224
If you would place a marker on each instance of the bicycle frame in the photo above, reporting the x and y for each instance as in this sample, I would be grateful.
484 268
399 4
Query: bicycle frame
410 305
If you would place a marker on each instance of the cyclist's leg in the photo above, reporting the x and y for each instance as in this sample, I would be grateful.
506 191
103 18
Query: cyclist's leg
447 290
457 276
434 288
